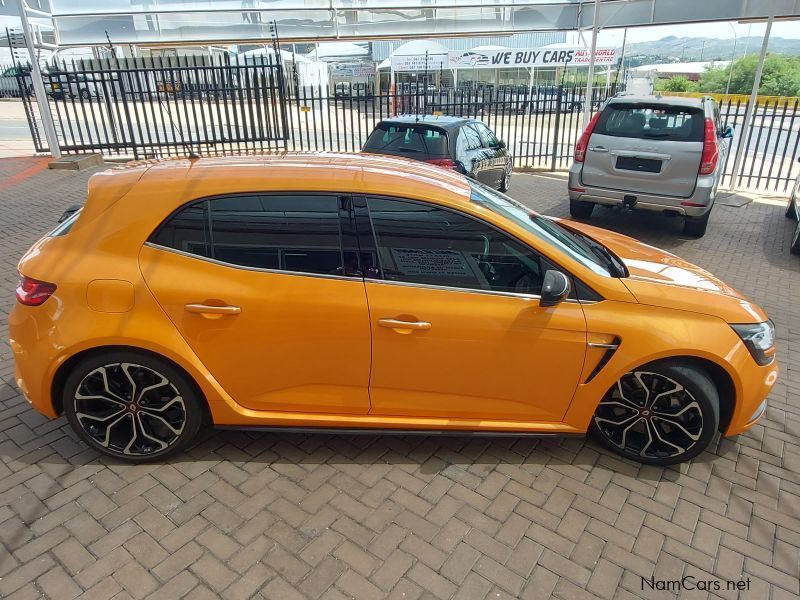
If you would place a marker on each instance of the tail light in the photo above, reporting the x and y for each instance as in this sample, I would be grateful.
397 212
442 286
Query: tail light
32 292
447 163
583 141
710 150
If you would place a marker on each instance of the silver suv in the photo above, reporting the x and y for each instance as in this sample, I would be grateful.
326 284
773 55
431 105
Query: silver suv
654 153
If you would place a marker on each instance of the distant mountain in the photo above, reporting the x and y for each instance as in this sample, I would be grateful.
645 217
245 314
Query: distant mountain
687 49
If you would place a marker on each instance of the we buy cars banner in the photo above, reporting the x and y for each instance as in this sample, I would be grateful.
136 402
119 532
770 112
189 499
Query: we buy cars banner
530 57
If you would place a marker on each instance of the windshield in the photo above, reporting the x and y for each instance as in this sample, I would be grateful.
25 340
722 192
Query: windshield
586 251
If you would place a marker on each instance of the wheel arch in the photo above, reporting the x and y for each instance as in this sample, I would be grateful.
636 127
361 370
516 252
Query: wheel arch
721 378
66 367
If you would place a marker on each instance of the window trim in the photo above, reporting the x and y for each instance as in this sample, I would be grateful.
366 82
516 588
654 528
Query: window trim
574 288
208 230
221 263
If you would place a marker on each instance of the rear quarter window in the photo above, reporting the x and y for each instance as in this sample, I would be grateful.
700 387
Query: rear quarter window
652 121
412 139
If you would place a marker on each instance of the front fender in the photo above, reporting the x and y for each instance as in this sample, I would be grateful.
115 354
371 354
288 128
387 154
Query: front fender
647 334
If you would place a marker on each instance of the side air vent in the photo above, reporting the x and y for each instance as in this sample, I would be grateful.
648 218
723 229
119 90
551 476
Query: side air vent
611 348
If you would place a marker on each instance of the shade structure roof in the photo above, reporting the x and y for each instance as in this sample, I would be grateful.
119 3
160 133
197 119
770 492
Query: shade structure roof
184 22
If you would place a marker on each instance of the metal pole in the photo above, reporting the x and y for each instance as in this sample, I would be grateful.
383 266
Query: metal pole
38 86
748 116
587 107
621 68
733 59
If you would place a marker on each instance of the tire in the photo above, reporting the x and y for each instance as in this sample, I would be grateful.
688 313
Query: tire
505 182
795 246
625 423
100 403
696 226
581 209
791 211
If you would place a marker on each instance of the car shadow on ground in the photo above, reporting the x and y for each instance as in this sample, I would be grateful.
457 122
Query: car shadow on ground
453 455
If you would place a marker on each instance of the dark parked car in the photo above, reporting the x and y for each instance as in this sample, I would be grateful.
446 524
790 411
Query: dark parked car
464 145
793 211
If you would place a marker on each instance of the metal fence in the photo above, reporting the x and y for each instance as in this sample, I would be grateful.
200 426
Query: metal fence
162 107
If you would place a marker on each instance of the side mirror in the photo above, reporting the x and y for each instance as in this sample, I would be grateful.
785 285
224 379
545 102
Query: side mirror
727 132
500 144
555 288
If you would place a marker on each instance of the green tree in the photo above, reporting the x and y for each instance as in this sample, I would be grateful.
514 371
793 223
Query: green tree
679 83
781 76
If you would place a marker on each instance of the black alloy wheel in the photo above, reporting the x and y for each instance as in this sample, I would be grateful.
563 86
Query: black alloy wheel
134 408
661 415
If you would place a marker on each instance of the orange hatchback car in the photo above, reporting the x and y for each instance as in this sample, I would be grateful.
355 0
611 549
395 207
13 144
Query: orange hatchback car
353 293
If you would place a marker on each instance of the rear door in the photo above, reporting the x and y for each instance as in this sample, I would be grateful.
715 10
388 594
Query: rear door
264 290
646 148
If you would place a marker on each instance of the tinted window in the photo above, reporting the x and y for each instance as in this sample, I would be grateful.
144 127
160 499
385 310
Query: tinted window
488 139
652 121
420 243
186 231
544 228
287 233
411 139
472 141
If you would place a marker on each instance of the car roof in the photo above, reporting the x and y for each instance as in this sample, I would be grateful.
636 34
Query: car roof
444 121
321 172
665 100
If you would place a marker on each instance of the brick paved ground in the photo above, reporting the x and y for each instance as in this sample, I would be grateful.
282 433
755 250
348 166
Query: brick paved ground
296 516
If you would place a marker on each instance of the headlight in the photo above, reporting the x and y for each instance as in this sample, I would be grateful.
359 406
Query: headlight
759 339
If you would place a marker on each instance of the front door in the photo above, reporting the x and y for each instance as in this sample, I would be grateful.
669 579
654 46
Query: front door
260 288
457 330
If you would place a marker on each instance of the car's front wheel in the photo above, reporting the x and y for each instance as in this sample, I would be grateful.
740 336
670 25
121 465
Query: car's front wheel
505 183
791 210
661 414
132 406
795 247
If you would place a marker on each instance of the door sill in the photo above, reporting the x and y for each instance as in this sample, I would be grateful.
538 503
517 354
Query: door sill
390 431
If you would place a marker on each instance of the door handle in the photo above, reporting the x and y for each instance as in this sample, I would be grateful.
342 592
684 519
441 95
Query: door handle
598 149
397 324
212 310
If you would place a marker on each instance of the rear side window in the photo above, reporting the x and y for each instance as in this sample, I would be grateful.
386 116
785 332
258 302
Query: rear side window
186 231
299 233
652 121
411 138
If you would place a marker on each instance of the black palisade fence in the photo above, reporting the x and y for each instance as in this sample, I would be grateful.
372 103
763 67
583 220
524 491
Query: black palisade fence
154 107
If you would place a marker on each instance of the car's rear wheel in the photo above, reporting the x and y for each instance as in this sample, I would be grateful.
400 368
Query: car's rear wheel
581 209
696 226
661 414
795 247
132 406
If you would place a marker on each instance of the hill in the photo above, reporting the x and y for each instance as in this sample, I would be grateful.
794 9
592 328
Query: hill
686 49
